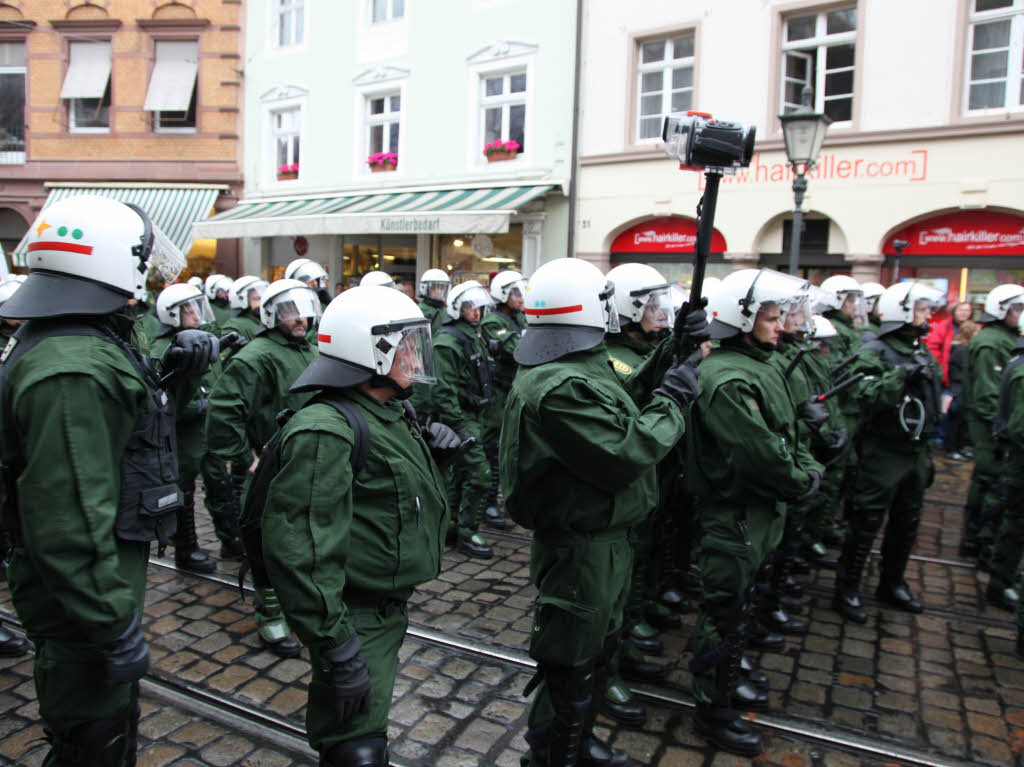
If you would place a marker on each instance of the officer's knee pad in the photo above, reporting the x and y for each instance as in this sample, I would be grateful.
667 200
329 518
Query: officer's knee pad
368 751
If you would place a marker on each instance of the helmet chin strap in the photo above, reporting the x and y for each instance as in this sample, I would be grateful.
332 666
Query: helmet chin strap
387 382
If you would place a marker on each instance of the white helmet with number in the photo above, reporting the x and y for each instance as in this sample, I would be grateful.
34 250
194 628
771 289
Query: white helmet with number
823 329
1000 299
744 293
174 300
216 283
285 300
377 277
366 332
243 288
895 307
504 283
8 289
308 271
641 289
89 255
434 284
570 305
470 294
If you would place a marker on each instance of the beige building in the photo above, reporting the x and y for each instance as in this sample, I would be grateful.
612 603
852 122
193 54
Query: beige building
135 99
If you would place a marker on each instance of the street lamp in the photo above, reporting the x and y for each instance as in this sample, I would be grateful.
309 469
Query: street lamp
804 132
899 245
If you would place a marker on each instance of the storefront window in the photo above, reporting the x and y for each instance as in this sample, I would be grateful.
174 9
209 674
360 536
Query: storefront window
392 254
478 256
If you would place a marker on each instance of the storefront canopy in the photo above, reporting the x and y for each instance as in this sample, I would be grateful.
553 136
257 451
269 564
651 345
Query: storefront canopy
172 207
436 211
666 236
962 233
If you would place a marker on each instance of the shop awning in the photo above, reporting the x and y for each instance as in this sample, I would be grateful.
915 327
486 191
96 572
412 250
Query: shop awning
962 233
174 76
172 207
88 71
435 211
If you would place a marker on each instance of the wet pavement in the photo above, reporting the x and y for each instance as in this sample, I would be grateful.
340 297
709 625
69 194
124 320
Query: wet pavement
944 686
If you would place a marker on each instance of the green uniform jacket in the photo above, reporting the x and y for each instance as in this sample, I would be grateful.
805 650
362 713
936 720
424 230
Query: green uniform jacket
743 445
75 402
879 417
987 355
324 533
446 397
244 324
249 394
498 326
434 311
629 352
221 312
577 453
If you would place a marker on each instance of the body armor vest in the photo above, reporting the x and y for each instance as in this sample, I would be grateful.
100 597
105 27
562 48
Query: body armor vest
505 366
1002 420
149 495
478 392
924 390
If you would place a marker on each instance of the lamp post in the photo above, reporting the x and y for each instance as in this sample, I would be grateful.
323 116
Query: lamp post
899 245
804 132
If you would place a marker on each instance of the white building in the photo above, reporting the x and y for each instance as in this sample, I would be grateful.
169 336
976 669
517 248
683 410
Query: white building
927 99
328 84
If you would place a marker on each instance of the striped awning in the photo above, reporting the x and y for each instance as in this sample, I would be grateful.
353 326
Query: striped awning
417 211
172 207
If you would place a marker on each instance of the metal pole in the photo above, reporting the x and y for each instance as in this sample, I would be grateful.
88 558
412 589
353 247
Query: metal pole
799 187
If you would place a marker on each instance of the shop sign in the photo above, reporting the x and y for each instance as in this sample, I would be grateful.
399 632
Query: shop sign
969 232
909 165
670 234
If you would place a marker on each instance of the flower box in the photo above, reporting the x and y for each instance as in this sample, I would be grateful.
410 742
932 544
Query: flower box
288 172
500 151
383 167
382 162
501 156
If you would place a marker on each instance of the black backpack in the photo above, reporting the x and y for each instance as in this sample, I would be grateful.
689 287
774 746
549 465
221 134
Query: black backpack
250 520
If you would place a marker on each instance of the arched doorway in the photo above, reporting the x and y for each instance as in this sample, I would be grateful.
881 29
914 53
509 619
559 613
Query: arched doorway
12 228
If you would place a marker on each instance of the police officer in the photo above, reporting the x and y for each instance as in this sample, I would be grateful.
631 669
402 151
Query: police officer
900 419
217 287
745 461
987 355
344 555
90 466
460 399
432 291
244 296
313 275
872 291
377 277
578 462
251 391
501 328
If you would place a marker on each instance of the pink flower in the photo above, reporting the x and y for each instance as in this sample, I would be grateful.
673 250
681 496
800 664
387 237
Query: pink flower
293 168
382 158
512 147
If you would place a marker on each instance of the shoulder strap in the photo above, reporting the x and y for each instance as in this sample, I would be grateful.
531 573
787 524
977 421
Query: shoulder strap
357 422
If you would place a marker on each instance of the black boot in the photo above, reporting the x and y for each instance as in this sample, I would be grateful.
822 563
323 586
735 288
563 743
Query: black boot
900 535
369 751
761 638
781 621
725 729
571 690
848 604
108 742
633 665
898 595
758 678
187 554
854 557
474 545
593 751
12 645
1005 598
968 543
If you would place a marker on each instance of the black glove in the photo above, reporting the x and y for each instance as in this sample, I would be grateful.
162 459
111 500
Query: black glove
679 384
350 677
127 657
813 413
812 491
493 346
921 372
695 322
191 351
442 437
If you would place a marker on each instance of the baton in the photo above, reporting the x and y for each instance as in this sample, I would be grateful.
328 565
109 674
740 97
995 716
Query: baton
838 387
848 361
793 363
705 230
229 340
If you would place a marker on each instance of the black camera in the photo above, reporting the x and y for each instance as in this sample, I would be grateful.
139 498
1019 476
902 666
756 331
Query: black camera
700 142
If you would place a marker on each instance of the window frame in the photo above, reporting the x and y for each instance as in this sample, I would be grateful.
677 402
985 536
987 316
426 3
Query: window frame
666 67
821 41
274 27
389 14
386 118
70 104
505 101
1014 79
272 113
9 156
193 103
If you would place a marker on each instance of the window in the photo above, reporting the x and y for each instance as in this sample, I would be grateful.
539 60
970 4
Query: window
386 10
289 21
503 107
12 102
172 87
383 117
664 82
818 50
287 131
995 63
87 86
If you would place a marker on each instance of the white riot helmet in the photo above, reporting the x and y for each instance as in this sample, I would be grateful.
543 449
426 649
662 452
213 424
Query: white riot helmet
710 286
839 290
285 300
872 291
896 306
216 283
469 294
434 284
679 296
377 278
308 271
569 307
744 293
824 330
641 292
242 290
504 283
368 331
89 255
182 299
196 281
999 300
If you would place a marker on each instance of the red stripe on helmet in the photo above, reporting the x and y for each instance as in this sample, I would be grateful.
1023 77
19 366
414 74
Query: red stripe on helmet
69 247
323 337
556 310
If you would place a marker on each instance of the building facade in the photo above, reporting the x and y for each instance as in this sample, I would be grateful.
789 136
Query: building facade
366 123
134 99
925 147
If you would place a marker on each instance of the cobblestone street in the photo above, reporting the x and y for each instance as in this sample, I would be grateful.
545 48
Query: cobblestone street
945 685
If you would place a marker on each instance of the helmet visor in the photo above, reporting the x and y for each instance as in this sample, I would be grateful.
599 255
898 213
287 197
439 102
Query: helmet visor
796 314
412 358
437 290
510 290
611 313
295 303
853 305
475 298
658 310
253 288
165 256
194 312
